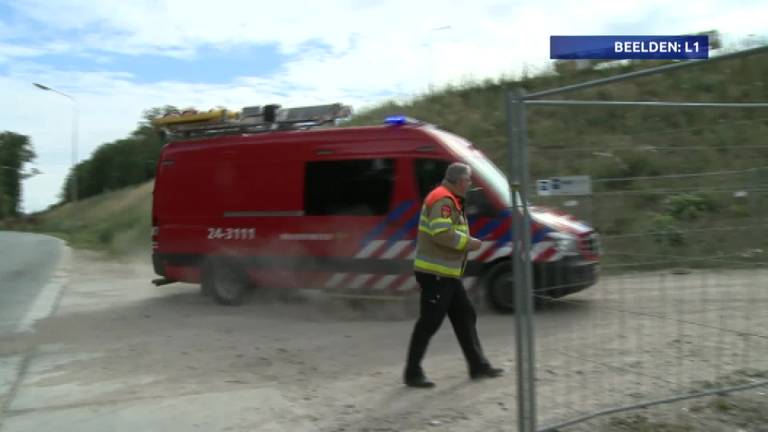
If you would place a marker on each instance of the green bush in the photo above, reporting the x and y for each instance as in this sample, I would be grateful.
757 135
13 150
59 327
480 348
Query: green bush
688 206
664 229
105 237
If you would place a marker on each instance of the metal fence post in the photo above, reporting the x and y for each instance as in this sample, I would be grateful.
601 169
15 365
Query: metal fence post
521 262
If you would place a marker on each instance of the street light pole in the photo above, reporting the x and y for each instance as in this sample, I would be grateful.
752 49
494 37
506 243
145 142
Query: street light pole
75 115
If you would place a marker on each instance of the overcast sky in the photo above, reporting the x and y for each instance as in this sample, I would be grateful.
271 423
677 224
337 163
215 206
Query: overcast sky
117 58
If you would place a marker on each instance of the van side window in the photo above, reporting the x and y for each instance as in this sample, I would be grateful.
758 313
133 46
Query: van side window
349 187
429 174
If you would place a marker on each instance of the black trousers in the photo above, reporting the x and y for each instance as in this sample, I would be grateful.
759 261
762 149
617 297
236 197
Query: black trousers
442 296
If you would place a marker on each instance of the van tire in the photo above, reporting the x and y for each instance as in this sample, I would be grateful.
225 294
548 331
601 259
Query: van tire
206 290
497 287
225 280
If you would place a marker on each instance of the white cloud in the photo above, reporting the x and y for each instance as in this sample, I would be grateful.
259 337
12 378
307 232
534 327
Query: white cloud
376 48
10 50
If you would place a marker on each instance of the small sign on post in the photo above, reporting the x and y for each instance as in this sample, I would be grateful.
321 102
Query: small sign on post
543 187
566 185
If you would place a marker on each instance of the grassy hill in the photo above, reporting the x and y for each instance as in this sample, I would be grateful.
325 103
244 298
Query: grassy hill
118 222
671 186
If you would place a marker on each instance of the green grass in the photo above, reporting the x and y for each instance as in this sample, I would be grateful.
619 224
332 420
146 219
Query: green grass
117 222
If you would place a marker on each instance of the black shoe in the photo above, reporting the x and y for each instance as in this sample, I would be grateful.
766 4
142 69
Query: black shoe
419 381
489 372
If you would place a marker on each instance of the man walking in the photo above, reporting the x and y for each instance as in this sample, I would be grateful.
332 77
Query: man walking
441 257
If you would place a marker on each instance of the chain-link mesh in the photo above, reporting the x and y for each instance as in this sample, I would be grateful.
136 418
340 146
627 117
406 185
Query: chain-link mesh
679 202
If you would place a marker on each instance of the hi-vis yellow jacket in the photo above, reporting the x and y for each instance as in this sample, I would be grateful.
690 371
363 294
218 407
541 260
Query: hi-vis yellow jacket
441 245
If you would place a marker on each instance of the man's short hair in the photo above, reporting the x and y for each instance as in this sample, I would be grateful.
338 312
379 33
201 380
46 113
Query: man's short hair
456 171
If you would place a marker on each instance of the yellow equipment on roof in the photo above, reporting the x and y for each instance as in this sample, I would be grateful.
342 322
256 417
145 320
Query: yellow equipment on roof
252 119
192 117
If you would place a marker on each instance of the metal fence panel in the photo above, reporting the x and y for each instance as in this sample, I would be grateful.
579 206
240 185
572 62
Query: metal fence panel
679 309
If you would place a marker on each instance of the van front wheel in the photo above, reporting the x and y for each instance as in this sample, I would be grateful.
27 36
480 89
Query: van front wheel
499 287
225 281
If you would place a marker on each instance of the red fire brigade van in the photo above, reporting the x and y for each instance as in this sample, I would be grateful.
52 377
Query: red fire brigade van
276 197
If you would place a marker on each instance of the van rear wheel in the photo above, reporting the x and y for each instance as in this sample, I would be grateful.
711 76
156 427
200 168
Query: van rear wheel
225 280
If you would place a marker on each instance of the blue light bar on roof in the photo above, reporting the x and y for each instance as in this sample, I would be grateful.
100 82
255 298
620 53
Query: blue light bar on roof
399 120
396 120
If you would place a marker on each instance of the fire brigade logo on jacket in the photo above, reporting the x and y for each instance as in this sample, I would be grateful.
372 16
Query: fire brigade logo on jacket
446 211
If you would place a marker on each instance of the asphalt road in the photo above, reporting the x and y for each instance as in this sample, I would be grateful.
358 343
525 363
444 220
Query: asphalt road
27 262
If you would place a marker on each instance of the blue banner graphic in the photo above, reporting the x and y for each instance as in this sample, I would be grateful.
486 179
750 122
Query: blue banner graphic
628 47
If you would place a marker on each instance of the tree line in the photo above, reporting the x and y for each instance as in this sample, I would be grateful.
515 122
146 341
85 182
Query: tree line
15 151
114 165
120 163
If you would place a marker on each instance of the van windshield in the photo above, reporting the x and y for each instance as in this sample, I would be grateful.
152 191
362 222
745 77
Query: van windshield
483 167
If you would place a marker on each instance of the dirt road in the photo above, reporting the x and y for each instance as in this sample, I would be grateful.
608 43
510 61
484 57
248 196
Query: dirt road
122 355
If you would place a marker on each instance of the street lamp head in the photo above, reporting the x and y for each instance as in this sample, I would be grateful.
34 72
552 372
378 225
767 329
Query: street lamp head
74 135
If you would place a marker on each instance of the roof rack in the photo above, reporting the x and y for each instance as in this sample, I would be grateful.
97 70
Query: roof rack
252 119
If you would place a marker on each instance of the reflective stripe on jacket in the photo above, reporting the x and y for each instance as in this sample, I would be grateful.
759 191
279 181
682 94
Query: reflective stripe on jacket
441 246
